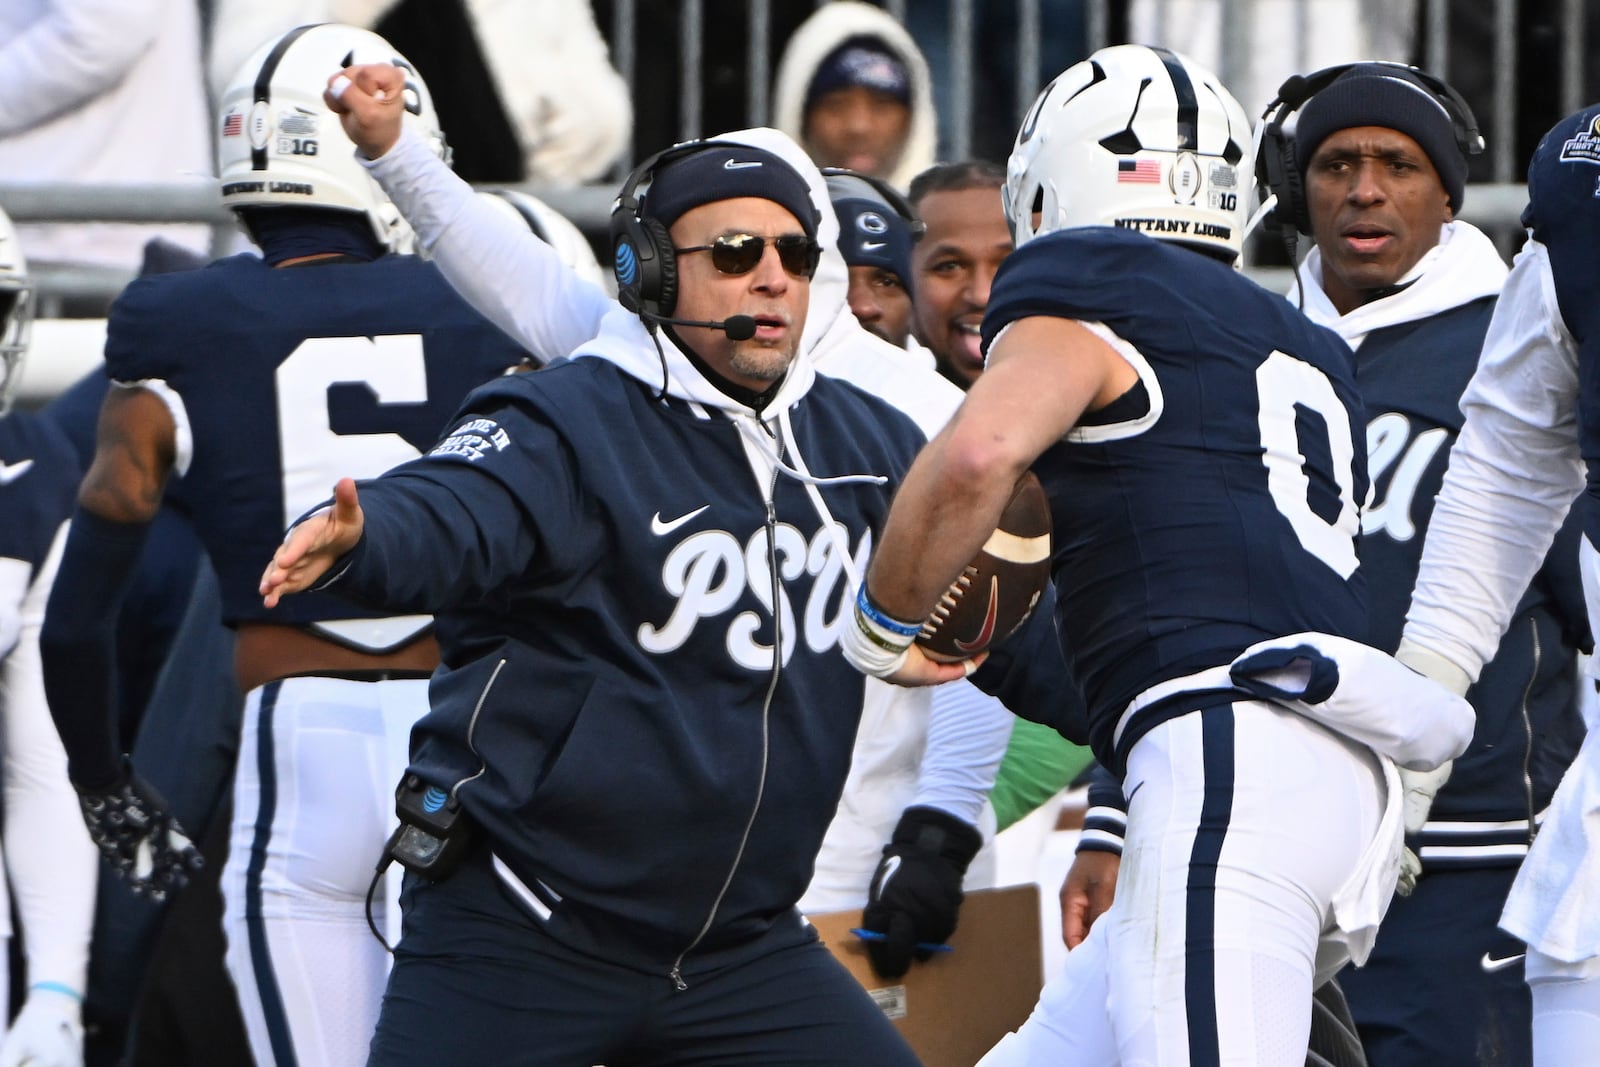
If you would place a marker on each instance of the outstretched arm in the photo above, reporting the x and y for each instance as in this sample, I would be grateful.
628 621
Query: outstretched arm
510 276
49 857
314 545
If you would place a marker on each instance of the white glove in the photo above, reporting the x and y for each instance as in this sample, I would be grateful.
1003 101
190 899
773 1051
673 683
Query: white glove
1417 789
48 1031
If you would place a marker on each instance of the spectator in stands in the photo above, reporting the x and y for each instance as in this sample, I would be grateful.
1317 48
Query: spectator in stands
854 90
101 91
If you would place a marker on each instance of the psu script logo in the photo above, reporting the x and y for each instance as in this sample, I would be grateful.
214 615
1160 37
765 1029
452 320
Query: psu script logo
710 572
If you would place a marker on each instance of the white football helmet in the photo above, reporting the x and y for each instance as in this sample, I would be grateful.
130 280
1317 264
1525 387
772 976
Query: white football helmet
16 311
1137 137
555 230
278 144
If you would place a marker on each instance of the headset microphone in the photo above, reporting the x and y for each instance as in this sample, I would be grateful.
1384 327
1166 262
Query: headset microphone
737 327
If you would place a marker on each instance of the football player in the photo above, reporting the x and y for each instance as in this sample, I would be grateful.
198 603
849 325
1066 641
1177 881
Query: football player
50 862
1525 449
254 380
1194 433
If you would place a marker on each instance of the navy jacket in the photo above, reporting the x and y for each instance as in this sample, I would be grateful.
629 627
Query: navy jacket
609 710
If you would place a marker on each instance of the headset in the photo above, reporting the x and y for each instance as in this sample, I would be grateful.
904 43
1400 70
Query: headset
888 193
1277 170
642 258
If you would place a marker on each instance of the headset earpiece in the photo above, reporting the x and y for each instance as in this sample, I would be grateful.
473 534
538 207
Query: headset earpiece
1277 167
642 259
664 281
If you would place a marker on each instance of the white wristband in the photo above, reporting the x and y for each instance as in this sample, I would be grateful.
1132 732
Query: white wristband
871 646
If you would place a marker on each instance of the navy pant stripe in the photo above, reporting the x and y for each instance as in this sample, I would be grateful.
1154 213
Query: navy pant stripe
260 954
1200 968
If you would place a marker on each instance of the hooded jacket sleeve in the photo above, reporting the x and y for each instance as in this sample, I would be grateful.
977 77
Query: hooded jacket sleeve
462 521
1513 474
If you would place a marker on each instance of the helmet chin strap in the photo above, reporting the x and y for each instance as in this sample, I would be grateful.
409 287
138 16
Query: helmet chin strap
1260 215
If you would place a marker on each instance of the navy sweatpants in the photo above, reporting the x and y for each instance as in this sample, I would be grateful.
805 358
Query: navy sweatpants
476 981
1444 984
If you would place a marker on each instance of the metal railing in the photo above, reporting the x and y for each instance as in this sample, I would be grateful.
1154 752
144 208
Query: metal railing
1495 206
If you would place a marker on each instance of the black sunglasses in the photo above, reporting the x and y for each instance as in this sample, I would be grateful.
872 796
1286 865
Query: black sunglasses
739 253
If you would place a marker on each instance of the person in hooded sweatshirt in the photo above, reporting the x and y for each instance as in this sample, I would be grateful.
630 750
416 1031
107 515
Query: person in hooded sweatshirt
853 88
641 559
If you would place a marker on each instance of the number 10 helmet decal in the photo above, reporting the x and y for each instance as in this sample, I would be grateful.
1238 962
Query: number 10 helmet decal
279 145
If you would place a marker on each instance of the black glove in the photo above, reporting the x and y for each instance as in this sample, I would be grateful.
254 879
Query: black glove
916 890
139 838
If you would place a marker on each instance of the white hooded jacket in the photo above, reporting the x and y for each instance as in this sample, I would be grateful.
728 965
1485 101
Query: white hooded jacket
831 26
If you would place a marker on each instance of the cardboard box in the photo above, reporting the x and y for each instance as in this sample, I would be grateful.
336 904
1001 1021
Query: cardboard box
953 1007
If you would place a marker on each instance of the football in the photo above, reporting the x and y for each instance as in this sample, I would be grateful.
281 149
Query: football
997 591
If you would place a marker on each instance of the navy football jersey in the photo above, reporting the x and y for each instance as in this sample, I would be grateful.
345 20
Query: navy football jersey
39 476
1564 216
1215 504
290 379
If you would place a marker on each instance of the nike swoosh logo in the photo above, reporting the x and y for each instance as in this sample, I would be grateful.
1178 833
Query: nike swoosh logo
891 865
871 246
733 164
661 529
986 634
1490 964
10 472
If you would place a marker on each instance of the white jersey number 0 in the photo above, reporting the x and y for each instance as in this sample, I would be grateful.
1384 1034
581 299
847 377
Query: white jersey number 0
1283 384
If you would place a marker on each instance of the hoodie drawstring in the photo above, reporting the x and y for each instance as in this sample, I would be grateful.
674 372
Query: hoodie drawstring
800 473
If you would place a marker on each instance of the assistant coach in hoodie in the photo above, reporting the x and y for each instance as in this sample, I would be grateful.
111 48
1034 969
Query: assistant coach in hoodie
641 559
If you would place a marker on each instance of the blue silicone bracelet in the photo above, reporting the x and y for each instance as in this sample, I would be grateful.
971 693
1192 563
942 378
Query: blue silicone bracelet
58 987
865 605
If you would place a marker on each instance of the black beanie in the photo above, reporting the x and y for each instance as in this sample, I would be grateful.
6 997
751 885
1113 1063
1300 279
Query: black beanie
866 61
1387 95
725 172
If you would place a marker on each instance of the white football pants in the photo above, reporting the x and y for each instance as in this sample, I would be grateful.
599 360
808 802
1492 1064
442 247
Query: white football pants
313 800
1244 820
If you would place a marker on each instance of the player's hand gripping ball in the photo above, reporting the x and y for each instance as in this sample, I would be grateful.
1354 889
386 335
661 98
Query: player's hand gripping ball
997 591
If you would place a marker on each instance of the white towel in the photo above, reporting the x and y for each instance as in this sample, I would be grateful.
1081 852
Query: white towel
1554 904
1362 693
1376 701
1360 904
